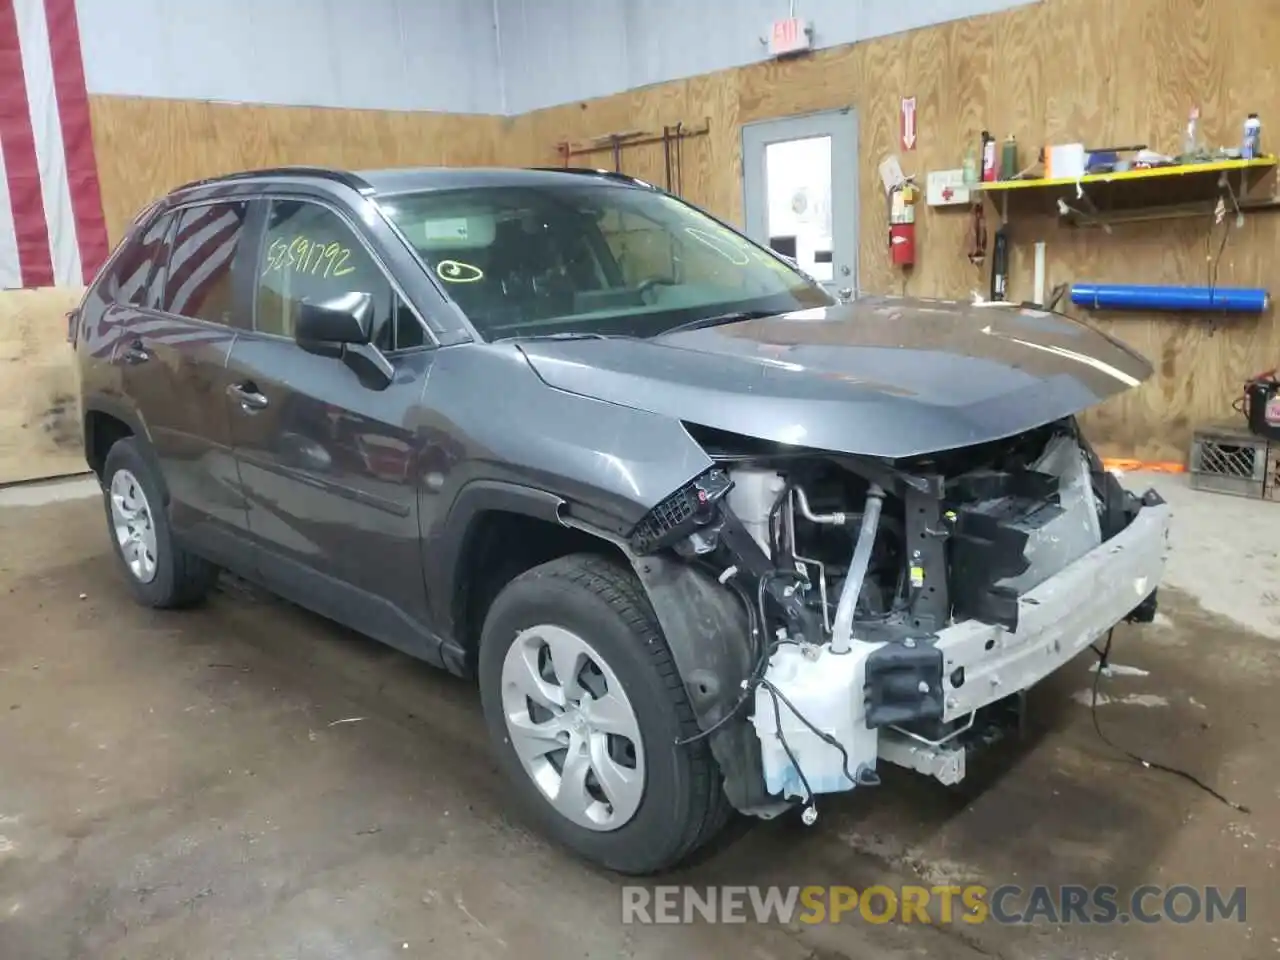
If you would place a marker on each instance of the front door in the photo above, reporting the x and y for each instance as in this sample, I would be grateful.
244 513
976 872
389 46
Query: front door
329 462
800 193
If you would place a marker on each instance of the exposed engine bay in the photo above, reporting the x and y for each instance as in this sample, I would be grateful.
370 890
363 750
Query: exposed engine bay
870 588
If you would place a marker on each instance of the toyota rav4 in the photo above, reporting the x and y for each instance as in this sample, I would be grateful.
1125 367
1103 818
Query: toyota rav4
708 536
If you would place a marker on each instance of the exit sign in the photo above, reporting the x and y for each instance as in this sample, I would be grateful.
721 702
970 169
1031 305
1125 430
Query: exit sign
790 36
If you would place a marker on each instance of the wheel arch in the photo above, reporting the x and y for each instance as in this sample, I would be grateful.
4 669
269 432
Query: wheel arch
494 531
105 422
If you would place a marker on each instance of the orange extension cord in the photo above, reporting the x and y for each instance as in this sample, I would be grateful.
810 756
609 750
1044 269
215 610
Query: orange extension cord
1134 466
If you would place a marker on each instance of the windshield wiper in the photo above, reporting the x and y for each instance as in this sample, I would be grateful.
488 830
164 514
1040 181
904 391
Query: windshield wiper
719 320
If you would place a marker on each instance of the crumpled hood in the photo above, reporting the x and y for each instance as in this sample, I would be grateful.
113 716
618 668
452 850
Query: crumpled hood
880 376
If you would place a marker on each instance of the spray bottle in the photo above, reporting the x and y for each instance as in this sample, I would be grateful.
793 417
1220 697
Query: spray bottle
989 170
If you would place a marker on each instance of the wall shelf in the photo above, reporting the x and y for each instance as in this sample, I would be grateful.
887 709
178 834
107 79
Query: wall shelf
1155 193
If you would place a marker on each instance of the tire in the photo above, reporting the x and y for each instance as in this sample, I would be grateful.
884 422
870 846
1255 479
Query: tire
173 577
682 804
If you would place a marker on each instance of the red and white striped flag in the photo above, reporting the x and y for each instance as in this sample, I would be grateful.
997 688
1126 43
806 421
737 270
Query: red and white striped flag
52 231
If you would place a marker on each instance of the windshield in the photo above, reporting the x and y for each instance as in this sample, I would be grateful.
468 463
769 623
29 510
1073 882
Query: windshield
591 259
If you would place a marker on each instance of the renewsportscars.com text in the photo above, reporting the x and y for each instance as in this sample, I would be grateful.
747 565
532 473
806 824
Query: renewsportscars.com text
974 904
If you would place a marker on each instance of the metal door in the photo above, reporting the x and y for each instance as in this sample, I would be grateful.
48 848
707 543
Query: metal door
800 192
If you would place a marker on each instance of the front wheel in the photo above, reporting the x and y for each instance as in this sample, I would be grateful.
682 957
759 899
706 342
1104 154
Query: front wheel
585 707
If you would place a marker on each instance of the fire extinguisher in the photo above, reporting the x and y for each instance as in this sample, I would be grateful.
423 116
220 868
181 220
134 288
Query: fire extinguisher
902 224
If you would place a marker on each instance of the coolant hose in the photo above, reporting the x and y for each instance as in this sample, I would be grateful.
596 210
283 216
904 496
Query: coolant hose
842 629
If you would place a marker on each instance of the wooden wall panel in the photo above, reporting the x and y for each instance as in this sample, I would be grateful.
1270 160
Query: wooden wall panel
1097 70
1101 71
144 148
147 146
39 395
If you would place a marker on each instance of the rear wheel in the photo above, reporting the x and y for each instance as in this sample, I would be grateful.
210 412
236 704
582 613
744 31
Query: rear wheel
585 707
159 571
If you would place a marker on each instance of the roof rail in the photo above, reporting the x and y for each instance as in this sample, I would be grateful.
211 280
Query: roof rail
325 173
593 172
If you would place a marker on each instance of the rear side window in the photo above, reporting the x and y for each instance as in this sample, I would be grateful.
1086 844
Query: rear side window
137 274
204 247
311 253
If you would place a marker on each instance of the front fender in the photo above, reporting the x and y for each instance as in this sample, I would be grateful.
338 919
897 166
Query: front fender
443 547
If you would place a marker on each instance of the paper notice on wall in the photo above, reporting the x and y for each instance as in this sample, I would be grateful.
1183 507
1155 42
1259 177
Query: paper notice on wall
891 174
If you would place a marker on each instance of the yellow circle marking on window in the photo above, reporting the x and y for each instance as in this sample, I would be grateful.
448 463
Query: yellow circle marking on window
455 271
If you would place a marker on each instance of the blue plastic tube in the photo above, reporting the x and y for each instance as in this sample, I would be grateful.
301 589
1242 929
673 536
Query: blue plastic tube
1124 296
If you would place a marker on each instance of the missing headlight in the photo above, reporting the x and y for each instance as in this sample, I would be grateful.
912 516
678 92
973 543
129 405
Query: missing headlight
677 516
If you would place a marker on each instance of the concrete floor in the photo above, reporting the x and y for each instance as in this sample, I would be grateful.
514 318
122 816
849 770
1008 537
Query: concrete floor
247 780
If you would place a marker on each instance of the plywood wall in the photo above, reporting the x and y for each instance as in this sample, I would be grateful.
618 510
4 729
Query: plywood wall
39 396
146 146
1101 71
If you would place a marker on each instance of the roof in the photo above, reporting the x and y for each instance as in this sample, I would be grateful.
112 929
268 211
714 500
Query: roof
394 181
412 179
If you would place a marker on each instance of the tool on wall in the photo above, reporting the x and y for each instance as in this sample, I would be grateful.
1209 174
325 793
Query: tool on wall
672 138
672 156
1000 264
978 235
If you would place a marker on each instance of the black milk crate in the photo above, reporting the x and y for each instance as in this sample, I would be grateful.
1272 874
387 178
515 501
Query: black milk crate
1226 458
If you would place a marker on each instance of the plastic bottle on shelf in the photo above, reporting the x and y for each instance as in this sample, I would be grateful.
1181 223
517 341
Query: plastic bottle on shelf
990 166
1191 136
970 167
1009 158
1251 145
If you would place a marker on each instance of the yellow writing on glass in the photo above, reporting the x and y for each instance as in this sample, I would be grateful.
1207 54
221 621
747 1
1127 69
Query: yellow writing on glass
455 271
726 248
301 254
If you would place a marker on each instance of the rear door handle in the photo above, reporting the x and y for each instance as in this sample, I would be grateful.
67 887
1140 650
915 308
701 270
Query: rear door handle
247 395
136 353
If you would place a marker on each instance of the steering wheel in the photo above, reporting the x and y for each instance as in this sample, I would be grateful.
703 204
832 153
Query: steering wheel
646 286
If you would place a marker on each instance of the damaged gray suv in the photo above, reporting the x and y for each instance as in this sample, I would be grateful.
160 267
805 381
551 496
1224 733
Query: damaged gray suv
708 536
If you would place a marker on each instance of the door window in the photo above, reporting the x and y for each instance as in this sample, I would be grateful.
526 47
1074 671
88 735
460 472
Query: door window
199 281
138 273
311 254
798 187
800 193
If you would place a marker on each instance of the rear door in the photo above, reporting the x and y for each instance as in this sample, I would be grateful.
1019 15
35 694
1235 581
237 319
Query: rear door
328 462
174 358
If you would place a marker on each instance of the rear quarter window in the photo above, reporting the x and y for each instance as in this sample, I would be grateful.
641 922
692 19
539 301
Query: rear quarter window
135 276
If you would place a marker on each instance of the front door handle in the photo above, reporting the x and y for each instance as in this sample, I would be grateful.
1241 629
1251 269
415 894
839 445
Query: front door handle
247 395
135 352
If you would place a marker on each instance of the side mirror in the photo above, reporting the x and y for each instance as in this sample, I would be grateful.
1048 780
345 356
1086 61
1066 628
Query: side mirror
341 328
342 320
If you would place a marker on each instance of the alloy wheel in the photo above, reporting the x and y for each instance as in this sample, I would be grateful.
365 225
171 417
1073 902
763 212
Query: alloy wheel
573 727
133 526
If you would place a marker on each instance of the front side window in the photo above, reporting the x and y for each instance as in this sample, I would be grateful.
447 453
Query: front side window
311 254
204 247
137 274
590 258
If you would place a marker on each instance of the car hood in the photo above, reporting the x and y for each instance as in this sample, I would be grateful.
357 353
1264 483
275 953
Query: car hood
881 377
